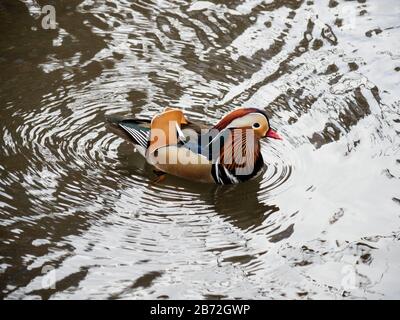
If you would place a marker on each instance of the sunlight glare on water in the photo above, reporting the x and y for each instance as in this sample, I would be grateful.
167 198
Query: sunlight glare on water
79 214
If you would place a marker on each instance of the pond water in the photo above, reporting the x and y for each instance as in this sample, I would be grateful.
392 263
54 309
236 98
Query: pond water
80 216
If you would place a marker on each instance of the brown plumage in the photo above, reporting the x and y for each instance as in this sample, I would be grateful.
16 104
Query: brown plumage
235 114
235 138
241 149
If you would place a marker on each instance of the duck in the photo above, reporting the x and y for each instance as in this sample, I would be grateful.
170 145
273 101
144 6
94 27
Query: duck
228 152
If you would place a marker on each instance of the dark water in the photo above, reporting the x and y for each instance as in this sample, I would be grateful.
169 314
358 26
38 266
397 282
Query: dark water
79 214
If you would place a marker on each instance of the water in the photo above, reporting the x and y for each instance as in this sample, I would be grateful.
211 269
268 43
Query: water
79 214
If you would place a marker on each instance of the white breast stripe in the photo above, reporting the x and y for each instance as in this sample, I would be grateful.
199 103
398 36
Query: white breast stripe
230 176
217 171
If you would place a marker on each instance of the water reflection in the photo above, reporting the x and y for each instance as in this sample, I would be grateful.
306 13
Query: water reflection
76 200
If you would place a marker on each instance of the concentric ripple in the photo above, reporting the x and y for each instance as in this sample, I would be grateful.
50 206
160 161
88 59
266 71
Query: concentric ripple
79 209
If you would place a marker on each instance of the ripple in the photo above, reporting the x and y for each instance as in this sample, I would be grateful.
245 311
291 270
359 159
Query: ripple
76 198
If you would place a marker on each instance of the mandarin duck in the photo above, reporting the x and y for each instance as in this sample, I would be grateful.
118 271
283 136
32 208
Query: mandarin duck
227 153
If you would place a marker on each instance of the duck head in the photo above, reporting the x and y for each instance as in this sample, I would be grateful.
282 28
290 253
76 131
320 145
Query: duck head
248 118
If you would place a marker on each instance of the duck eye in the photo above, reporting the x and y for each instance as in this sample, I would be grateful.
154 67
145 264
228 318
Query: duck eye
256 125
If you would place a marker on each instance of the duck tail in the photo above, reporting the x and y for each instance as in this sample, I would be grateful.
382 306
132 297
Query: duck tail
136 131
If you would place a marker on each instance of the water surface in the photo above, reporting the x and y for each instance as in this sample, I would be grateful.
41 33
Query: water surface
79 214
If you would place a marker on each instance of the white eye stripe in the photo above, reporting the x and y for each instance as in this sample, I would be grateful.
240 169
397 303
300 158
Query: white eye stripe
249 120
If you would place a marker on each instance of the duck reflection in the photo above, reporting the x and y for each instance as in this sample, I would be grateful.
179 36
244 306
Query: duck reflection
238 204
